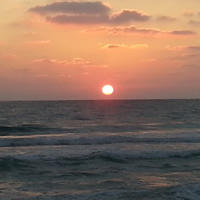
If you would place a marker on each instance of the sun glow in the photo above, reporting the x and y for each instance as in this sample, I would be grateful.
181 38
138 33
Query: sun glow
107 89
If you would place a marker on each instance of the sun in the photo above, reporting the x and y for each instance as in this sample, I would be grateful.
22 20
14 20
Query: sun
107 89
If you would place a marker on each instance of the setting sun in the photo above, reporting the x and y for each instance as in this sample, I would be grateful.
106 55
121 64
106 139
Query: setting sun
107 89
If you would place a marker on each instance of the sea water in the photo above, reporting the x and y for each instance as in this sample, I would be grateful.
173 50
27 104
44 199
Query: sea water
100 150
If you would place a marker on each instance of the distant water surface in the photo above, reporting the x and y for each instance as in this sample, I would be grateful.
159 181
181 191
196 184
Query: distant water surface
106 149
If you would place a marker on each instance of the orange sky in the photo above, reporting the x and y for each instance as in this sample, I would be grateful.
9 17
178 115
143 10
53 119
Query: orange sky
60 50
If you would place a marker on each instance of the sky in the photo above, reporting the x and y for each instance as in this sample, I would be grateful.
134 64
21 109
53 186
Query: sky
65 50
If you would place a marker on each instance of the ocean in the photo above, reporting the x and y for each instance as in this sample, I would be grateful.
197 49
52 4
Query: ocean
100 150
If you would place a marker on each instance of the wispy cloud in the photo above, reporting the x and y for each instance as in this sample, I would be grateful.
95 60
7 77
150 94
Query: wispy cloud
185 54
75 62
116 46
184 48
164 18
144 31
182 32
194 22
188 13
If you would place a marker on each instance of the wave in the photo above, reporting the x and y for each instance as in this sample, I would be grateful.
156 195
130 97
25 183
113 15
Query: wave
128 156
30 129
21 129
186 191
10 163
73 156
95 139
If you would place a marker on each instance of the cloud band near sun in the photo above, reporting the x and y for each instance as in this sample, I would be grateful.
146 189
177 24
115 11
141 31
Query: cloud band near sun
87 13
144 31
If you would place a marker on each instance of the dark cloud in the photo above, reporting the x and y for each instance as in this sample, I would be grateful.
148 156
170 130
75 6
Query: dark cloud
166 18
88 8
87 13
65 19
126 16
183 32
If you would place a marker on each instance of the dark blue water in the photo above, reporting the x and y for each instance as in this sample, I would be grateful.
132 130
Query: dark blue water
86 150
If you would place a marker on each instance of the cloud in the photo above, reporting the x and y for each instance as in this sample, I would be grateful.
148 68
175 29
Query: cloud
184 48
65 19
48 61
193 48
188 14
78 8
183 32
126 16
127 29
111 46
194 22
75 62
74 12
115 46
185 53
87 13
166 18
143 31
